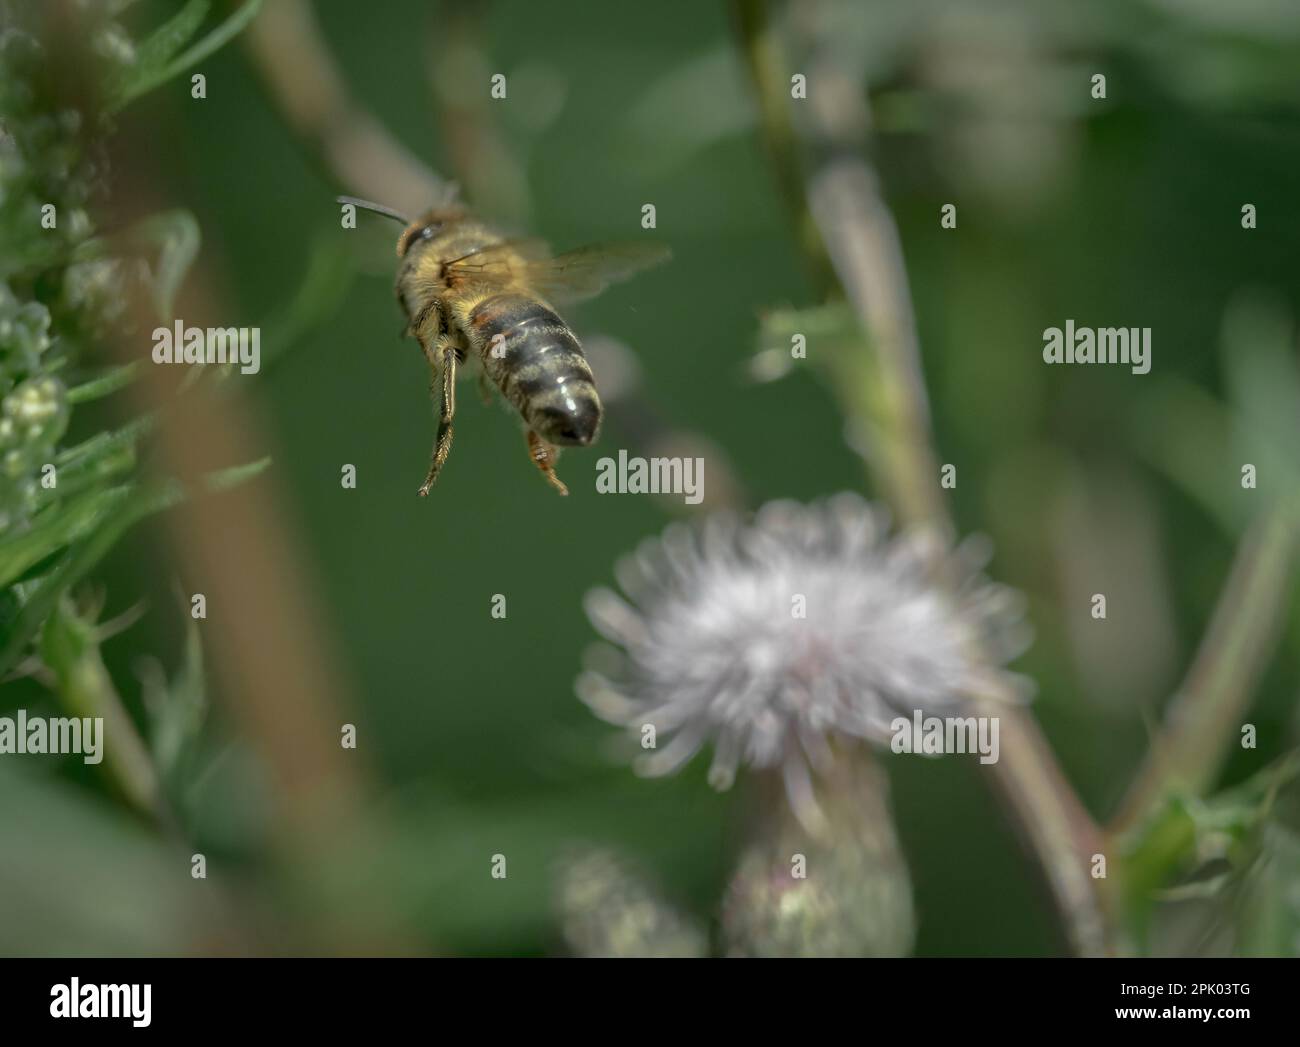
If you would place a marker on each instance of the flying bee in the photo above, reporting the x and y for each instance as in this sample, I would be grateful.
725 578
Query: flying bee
469 294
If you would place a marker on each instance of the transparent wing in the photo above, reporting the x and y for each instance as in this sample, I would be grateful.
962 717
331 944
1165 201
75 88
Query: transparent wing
567 277
502 262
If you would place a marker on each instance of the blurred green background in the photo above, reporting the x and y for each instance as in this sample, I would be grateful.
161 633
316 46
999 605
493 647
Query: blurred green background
1123 211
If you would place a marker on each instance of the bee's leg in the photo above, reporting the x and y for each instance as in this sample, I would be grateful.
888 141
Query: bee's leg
442 446
544 456
420 321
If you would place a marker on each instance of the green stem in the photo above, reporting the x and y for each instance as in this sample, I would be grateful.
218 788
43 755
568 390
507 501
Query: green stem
885 393
84 687
763 54
1207 711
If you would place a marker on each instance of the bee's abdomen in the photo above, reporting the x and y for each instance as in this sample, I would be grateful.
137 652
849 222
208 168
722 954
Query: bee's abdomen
538 365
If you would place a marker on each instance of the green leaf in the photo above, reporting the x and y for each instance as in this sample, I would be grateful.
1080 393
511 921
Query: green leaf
155 52
161 66
165 42
176 235
177 710
51 534
1232 854
224 479
1268 903
82 499
104 385
136 503
45 594
103 444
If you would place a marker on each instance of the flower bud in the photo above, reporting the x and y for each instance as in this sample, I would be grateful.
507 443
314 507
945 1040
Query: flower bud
840 891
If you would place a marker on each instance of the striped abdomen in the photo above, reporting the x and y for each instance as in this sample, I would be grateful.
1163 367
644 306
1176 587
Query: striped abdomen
538 365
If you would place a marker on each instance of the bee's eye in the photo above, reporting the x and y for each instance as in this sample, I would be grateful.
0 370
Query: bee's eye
415 232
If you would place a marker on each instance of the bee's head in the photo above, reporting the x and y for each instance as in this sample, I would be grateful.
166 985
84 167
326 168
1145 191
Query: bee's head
427 226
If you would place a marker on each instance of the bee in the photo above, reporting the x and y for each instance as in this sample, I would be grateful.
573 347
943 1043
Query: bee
474 297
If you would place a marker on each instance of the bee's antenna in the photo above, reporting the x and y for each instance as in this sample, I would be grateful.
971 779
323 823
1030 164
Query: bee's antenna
377 208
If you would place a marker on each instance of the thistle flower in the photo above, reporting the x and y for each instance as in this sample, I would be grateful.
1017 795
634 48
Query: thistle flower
771 639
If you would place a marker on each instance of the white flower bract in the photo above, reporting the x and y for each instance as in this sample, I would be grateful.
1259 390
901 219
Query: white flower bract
768 639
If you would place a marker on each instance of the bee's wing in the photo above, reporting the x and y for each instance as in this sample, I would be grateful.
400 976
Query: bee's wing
567 277
587 271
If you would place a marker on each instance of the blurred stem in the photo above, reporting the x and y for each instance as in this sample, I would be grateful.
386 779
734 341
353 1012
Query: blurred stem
859 236
852 249
268 643
761 49
865 250
306 90
1207 711
478 156
1056 826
